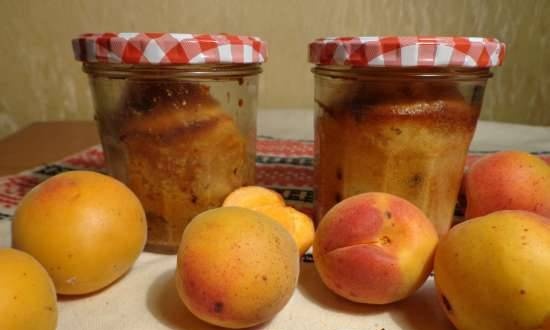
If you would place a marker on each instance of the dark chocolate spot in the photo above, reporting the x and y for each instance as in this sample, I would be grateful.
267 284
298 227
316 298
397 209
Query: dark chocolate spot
415 180
521 292
446 303
338 197
264 278
218 307
194 198
241 102
388 214
142 104
339 175
396 130
241 81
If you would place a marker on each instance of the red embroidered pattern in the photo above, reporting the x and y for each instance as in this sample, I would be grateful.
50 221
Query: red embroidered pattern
284 165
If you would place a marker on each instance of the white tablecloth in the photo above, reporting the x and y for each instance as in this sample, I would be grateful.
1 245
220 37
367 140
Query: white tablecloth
146 297
489 136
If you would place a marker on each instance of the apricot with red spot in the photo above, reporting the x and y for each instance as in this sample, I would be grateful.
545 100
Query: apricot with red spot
507 180
236 267
374 248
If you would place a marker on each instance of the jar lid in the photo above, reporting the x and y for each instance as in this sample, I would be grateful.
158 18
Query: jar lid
419 51
168 48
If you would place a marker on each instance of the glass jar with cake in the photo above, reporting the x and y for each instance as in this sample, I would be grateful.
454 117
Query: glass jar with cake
177 119
396 115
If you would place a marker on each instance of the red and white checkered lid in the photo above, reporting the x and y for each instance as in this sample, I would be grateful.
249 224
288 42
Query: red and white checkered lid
470 52
168 48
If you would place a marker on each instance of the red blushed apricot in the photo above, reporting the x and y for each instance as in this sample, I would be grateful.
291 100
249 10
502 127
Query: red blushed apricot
355 222
397 221
206 297
355 265
508 180
374 248
62 187
236 267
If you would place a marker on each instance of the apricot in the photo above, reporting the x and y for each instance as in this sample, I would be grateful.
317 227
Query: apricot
27 294
85 228
508 180
298 224
304 230
236 267
253 196
269 202
374 248
492 272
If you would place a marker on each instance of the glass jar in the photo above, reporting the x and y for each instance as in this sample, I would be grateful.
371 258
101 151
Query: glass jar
180 135
381 125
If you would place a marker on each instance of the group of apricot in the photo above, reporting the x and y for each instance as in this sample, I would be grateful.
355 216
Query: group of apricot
238 265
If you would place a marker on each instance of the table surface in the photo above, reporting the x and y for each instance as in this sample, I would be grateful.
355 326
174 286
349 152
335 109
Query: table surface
45 142
145 298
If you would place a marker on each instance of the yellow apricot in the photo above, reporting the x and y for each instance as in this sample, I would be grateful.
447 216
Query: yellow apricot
252 197
27 294
85 228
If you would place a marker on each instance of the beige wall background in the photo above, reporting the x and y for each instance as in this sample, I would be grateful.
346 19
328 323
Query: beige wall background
39 80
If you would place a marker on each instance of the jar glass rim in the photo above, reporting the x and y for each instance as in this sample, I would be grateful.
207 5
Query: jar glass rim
401 73
154 71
